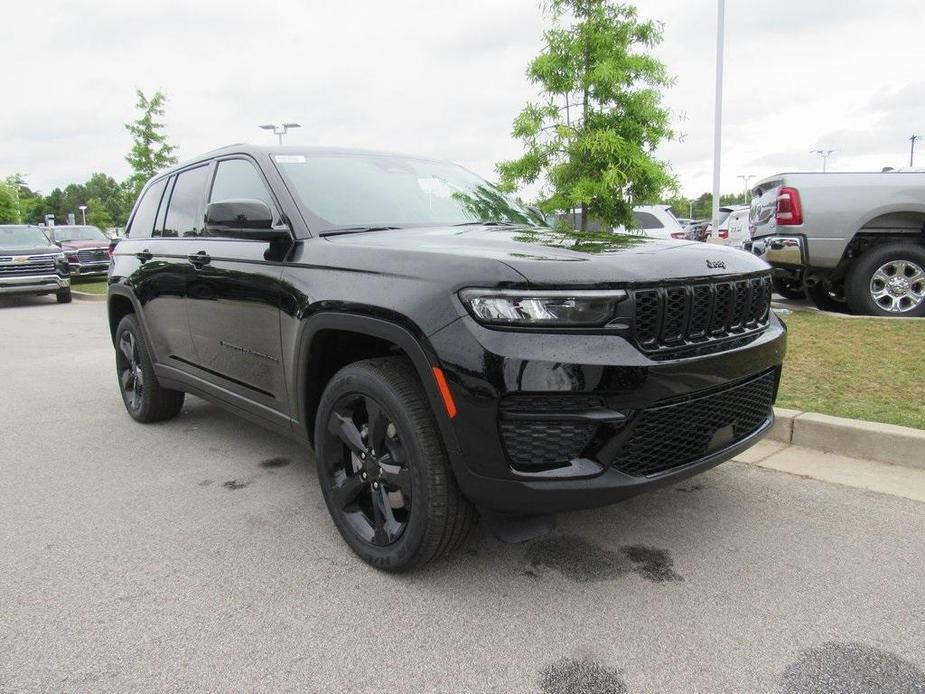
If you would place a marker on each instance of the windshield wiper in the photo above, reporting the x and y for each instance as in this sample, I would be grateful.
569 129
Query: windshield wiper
488 223
356 230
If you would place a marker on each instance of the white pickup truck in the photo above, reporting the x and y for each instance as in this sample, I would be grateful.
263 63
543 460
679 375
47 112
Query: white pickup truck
854 240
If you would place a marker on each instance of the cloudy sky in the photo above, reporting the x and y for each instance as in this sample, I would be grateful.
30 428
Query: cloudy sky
445 78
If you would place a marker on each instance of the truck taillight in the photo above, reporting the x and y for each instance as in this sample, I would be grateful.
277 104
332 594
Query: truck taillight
678 235
789 211
723 233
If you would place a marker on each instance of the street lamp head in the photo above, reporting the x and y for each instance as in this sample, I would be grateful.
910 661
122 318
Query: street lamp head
268 126
291 125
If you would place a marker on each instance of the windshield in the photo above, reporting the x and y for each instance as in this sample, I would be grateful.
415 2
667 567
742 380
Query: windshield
21 237
79 234
342 191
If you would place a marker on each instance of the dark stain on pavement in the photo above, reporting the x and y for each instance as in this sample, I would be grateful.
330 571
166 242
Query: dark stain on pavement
851 668
275 462
583 561
571 676
690 488
653 564
235 484
576 558
204 483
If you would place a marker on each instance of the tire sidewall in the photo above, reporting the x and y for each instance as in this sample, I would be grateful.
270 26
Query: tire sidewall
857 286
402 552
130 324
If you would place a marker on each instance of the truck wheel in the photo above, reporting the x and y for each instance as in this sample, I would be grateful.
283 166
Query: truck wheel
144 398
383 471
789 289
825 299
888 280
64 296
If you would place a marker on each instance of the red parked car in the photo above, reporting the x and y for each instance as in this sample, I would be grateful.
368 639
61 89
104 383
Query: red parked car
85 247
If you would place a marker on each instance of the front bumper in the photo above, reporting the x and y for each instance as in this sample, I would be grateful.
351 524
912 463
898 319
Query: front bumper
486 369
88 269
34 284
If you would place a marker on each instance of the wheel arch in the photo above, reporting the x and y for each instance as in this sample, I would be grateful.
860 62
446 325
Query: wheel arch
313 368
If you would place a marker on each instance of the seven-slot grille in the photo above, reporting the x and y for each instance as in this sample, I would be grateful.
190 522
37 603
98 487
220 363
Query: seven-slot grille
92 255
676 316
33 265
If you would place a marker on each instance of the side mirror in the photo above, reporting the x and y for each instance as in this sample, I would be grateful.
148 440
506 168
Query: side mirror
244 219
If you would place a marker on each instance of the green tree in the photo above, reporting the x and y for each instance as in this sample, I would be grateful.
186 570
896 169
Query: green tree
150 151
9 208
111 195
591 142
98 214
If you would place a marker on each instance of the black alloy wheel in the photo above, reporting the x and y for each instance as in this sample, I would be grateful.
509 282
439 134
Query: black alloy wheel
145 399
383 470
367 470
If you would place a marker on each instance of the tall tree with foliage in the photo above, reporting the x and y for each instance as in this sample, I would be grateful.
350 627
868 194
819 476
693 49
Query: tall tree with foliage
150 151
590 143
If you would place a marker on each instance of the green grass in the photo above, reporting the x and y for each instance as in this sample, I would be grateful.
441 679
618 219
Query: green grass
89 287
861 368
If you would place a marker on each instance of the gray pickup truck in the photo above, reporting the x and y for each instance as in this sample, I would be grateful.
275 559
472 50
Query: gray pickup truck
849 240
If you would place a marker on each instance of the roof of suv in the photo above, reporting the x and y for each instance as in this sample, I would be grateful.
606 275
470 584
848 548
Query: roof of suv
255 150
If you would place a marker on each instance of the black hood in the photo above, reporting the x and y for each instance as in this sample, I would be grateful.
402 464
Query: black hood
38 250
549 257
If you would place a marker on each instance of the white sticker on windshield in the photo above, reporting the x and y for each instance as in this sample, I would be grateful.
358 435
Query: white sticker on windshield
434 186
290 158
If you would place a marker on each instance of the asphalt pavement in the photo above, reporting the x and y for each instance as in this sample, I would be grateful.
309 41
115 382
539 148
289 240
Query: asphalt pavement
197 554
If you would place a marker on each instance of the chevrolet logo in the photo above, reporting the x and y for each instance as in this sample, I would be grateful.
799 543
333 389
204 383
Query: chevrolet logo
21 259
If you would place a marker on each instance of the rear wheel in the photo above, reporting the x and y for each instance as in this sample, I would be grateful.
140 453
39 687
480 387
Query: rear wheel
144 398
64 296
789 289
826 298
888 281
383 471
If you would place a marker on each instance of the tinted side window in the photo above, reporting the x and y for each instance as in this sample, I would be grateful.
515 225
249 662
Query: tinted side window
184 213
143 221
644 220
237 178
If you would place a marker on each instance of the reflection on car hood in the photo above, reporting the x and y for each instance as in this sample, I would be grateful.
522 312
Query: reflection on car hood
77 245
35 250
547 256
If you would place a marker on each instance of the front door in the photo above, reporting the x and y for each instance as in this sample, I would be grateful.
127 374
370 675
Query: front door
233 299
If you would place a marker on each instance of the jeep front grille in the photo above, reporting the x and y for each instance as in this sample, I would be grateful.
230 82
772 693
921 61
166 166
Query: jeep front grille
672 317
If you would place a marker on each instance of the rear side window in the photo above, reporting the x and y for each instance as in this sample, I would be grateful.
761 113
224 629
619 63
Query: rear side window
644 220
236 179
184 213
143 221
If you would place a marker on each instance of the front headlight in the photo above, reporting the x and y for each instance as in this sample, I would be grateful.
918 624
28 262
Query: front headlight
579 309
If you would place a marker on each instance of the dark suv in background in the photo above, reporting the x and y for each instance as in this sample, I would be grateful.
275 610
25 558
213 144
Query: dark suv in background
31 264
440 348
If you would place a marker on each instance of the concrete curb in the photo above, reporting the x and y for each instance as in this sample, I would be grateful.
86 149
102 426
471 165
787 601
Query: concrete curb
854 438
84 296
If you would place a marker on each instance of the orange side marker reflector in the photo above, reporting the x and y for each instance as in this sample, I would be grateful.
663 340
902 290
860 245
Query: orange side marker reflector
445 392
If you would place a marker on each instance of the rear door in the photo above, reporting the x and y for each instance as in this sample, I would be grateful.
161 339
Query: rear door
234 297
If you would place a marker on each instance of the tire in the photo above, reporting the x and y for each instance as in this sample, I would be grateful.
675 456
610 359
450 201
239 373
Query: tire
64 296
825 299
789 289
400 508
144 398
888 280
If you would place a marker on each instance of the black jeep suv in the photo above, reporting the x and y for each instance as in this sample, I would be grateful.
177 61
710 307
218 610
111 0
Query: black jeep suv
437 344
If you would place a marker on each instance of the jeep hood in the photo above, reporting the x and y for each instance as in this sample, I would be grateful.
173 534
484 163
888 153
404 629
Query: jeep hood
551 257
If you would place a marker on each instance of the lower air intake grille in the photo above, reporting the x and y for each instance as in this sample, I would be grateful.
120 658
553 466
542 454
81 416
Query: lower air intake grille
675 434
545 443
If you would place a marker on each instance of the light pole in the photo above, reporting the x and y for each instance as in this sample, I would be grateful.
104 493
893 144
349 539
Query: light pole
912 148
690 209
279 130
825 154
746 178
83 213
718 107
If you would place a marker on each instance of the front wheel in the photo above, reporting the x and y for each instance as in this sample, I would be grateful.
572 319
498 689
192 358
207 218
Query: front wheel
384 474
64 296
888 281
145 399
